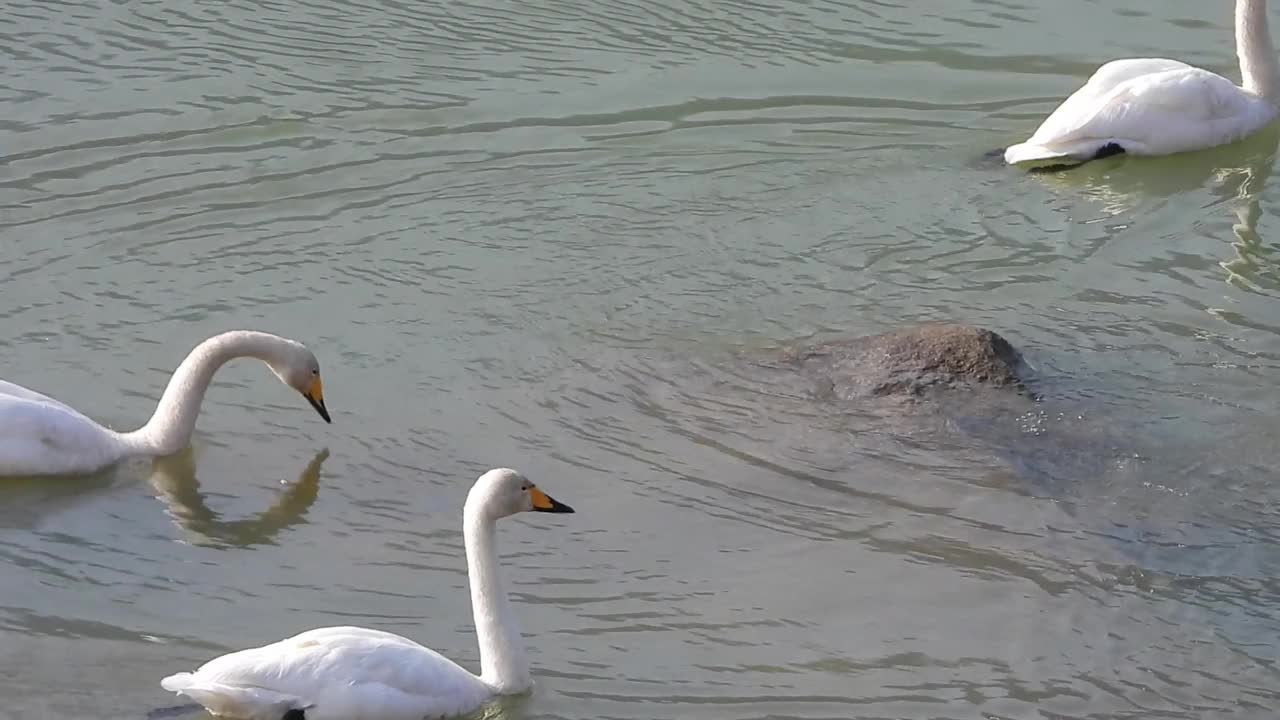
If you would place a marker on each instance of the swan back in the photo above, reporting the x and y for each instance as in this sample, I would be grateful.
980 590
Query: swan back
1158 112
41 436
334 673
1157 106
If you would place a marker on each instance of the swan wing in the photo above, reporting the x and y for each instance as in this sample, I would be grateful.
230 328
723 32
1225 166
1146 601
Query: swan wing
1147 107
338 672
41 436
1085 101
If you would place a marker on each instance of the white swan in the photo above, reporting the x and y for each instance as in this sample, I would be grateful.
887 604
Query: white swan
352 673
1153 106
41 436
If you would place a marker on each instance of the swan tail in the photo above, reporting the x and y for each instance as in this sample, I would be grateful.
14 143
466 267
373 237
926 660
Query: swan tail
1026 152
1032 155
177 682
231 700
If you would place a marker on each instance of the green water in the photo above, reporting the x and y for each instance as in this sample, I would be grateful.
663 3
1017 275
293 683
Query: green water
520 234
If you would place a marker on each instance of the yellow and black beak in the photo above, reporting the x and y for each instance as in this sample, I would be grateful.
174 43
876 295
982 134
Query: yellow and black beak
315 395
543 502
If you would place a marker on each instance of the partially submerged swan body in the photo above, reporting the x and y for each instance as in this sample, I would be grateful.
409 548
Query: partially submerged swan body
1156 106
345 673
42 436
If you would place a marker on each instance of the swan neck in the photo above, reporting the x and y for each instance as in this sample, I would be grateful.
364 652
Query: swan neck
1259 67
171 425
503 665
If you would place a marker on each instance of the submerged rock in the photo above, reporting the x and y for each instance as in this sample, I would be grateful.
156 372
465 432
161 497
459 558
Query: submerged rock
910 362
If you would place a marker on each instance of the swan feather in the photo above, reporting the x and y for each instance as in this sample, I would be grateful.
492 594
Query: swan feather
332 673
1147 107
1158 106
39 436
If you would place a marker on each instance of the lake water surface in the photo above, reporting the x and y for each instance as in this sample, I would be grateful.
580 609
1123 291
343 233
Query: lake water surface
537 234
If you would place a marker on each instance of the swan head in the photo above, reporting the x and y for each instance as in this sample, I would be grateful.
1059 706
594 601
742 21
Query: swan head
297 367
503 491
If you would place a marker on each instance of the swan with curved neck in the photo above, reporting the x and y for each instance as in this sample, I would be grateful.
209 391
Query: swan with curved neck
42 436
1155 106
337 673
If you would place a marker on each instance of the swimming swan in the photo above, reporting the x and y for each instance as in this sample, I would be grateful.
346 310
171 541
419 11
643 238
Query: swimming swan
344 673
1153 106
41 436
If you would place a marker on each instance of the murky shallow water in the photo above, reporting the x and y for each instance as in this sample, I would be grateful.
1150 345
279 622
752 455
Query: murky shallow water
537 236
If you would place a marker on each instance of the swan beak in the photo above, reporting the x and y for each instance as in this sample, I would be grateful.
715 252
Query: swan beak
315 395
543 502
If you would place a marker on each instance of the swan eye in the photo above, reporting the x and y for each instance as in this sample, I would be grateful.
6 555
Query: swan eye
525 487
315 371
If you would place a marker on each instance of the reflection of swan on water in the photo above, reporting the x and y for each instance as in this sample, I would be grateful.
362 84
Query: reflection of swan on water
1249 271
174 478
1121 186
26 502
1236 173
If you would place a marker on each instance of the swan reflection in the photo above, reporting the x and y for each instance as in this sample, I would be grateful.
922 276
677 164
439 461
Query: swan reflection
1253 268
174 478
1235 174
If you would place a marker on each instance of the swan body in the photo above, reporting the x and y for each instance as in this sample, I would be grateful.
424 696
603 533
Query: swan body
42 436
1157 106
352 673
343 673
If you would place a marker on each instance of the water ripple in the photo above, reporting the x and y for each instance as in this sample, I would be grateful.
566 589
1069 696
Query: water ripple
561 237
